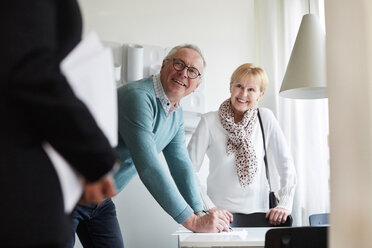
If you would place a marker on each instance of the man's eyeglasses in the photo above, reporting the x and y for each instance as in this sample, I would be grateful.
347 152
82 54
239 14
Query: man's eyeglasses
179 65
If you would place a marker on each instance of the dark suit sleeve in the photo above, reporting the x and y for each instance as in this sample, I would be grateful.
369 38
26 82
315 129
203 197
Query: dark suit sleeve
37 92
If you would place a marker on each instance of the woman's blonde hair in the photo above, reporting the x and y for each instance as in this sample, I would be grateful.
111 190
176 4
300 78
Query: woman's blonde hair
250 69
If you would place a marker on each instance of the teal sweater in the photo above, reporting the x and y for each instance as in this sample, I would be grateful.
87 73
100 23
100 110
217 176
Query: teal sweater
144 132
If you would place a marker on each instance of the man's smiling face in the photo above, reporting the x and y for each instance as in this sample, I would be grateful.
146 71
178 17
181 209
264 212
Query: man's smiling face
177 84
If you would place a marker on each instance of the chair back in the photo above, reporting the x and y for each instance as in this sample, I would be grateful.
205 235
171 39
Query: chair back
297 237
319 219
255 220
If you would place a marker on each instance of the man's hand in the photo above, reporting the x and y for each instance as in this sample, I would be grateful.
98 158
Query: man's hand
213 222
222 212
277 216
96 192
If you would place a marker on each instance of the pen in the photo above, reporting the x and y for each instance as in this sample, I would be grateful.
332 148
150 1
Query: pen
206 212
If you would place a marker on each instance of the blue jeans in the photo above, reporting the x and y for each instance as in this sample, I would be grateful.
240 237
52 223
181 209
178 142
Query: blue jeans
96 226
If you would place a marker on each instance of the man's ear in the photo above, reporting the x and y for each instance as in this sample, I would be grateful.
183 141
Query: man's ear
162 66
164 63
199 82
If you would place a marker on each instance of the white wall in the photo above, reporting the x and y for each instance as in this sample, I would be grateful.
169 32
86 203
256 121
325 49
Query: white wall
224 30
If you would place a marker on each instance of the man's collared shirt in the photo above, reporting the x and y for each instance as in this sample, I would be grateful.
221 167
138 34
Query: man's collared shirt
160 94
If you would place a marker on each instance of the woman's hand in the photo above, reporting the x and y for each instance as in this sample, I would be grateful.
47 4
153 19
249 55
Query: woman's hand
277 215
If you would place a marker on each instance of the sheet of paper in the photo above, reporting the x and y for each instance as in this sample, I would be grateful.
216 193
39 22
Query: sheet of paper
71 182
236 231
89 69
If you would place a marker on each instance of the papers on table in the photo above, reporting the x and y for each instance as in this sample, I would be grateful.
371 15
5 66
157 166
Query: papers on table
89 69
241 232
239 237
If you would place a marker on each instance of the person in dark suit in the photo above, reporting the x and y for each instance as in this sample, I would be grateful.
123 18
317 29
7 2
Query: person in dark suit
37 105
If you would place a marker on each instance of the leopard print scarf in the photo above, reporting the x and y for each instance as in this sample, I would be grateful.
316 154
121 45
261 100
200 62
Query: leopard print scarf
240 142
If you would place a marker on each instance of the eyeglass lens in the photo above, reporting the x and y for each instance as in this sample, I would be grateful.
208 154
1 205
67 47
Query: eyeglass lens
179 65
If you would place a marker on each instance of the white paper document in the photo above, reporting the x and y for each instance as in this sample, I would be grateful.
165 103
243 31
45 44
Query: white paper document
89 69
236 232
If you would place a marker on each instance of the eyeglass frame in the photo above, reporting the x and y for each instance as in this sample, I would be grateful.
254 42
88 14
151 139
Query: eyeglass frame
185 66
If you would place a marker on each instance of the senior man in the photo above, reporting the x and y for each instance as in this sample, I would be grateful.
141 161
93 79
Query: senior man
150 122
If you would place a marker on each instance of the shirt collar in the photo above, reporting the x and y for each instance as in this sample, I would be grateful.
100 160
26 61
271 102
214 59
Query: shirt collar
160 94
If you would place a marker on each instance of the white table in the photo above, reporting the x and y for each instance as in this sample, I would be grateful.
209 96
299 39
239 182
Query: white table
240 237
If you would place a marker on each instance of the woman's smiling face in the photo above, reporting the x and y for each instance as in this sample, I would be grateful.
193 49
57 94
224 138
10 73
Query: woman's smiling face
245 93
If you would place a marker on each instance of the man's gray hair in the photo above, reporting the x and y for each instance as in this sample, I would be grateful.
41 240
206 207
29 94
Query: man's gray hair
190 46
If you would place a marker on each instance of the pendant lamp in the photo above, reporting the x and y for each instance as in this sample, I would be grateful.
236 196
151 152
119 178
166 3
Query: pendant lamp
305 77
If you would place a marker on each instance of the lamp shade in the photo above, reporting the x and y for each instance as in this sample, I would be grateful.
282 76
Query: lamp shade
305 77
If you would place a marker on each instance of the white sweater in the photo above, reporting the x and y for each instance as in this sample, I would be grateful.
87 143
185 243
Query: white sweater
223 187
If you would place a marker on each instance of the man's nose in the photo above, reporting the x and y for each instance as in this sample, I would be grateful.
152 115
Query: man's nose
183 72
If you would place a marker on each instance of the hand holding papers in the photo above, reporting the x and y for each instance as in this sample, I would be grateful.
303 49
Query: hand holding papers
90 71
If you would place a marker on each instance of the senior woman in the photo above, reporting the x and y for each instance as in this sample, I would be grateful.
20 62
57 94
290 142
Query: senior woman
233 141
